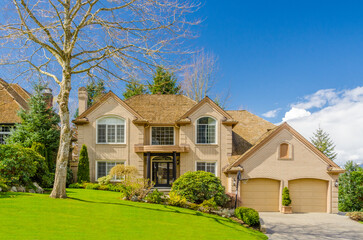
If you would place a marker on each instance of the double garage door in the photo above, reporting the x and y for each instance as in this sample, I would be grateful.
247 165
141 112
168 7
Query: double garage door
307 195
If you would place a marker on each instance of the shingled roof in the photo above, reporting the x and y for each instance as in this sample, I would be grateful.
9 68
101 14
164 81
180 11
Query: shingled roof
161 109
12 99
248 131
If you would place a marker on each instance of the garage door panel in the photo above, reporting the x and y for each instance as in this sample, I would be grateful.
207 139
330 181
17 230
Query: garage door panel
261 194
308 195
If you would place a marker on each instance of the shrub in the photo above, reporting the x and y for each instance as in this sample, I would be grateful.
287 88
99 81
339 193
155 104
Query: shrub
135 188
121 171
93 186
3 185
42 175
192 206
286 201
248 215
104 180
240 211
357 216
17 164
251 218
155 197
104 187
83 165
208 205
199 186
75 185
176 199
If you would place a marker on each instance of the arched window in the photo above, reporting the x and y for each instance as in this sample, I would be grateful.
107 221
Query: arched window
206 130
284 150
111 130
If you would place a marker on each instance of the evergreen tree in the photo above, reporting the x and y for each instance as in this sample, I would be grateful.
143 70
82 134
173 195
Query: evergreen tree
164 82
38 124
351 188
95 90
83 165
134 88
321 140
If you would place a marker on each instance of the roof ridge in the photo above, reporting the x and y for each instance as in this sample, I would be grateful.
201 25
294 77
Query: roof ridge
14 94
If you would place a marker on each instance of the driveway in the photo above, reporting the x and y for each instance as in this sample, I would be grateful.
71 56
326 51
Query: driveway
310 226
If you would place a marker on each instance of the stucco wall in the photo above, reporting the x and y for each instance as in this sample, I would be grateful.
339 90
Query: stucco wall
265 163
111 152
218 152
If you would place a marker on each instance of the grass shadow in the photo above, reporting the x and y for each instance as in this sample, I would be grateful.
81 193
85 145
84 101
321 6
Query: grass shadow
218 219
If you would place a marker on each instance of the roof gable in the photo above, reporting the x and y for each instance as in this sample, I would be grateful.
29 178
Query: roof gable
81 118
270 135
207 100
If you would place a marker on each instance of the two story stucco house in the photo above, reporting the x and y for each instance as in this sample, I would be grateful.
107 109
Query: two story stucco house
164 136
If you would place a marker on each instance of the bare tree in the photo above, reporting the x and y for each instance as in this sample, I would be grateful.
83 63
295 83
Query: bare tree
200 75
110 39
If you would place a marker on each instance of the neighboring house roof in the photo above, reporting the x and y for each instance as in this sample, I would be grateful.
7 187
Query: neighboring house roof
12 99
161 108
248 130
270 134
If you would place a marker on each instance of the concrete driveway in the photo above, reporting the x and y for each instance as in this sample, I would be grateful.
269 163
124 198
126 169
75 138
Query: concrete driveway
310 226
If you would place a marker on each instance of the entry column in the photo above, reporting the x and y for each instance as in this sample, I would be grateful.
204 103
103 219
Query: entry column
148 166
174 166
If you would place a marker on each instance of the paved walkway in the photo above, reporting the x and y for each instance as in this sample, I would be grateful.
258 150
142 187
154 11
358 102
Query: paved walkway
310 226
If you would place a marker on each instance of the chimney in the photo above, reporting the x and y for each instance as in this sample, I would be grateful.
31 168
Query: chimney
82 100
48 97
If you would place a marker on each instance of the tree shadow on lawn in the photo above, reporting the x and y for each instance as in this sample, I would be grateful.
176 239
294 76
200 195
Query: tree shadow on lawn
218 219
13 194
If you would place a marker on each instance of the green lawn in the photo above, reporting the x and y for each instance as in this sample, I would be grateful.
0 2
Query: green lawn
94 214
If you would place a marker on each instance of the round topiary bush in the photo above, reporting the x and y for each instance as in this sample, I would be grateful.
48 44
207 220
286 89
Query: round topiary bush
199 186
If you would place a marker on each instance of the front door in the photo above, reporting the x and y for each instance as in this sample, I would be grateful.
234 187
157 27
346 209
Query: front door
162 174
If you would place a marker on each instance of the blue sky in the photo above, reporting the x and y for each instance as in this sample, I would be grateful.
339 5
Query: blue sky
272 53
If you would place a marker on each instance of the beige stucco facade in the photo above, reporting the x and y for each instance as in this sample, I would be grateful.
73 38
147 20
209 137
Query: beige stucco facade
261 162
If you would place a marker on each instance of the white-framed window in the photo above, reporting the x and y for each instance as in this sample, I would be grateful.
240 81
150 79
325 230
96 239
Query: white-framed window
206 130
162 135
111 130
207 167
5 131
103 168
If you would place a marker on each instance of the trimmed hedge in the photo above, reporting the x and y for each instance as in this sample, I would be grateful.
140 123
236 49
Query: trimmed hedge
199 186
248 215
286 200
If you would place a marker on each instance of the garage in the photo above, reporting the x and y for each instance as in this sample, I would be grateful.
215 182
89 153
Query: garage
308 195
261 194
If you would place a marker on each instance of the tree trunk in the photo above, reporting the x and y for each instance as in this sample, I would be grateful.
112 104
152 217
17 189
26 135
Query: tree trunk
59 187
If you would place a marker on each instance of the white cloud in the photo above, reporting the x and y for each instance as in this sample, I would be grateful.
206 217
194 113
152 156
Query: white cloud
318 99
341 116
295 113
272 113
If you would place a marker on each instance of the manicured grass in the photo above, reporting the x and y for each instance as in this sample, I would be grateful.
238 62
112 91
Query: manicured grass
94 214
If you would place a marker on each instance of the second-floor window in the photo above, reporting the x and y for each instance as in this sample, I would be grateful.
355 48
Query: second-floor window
162 135
206 130
111 130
